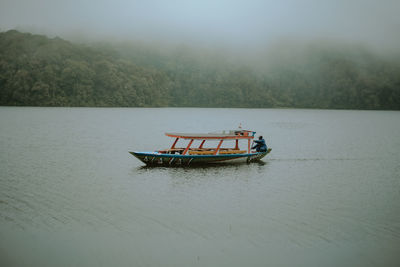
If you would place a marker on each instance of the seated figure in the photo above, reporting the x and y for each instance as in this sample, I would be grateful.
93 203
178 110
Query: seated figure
260 145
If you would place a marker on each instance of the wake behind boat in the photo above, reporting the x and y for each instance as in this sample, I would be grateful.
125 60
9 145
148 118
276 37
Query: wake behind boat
188 155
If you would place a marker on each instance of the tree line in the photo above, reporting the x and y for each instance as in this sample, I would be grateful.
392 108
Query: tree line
39 71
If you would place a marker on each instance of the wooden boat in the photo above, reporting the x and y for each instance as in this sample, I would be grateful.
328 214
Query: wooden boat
188 155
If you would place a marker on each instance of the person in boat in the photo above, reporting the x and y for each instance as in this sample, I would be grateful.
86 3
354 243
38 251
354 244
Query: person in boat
260 145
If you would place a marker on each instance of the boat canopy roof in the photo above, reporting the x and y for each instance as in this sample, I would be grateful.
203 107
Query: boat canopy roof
230 134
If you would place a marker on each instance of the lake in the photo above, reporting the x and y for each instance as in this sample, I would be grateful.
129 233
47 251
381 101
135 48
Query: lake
71 195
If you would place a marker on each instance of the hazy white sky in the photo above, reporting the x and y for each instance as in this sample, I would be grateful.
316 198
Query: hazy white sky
236 22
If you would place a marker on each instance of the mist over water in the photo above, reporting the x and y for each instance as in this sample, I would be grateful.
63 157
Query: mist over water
242 25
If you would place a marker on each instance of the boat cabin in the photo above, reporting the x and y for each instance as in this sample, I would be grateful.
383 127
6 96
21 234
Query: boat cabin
235 135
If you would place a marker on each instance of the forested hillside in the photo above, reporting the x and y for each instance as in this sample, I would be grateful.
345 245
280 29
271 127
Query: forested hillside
39 71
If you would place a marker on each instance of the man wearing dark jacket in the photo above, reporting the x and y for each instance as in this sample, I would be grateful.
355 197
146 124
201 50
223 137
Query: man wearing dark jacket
260 145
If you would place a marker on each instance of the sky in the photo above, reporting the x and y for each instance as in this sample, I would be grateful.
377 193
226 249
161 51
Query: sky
235 22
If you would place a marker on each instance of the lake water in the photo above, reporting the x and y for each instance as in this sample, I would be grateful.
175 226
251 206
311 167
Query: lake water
72 195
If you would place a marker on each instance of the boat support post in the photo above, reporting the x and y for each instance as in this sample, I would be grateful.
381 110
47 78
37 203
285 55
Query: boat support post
202 143
219 145
188 146
176 141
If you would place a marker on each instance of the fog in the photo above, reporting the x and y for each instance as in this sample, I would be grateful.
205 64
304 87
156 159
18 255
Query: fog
240 23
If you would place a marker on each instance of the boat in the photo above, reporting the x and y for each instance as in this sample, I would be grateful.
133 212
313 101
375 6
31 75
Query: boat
190 155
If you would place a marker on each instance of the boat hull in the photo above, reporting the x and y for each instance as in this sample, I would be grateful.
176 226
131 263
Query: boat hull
159 159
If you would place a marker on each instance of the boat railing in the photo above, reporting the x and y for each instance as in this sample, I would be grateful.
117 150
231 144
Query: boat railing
172 151
202 151
232 151
205 152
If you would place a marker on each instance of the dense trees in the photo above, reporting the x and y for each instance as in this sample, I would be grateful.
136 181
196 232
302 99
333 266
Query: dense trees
38 71
35 70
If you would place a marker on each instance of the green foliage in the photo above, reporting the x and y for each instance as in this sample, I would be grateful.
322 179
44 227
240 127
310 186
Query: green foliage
38 71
